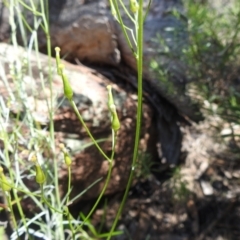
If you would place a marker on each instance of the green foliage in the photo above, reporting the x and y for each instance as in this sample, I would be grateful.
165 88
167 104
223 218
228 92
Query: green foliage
178 185
137 17
212 56
144 165
211 66
52 215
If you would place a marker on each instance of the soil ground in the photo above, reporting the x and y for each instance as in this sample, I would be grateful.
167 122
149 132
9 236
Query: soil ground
197 200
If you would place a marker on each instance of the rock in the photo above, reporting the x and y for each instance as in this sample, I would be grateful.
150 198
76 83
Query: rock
90 96
91 35
206 188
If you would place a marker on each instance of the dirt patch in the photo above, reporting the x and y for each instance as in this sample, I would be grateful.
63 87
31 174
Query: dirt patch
198 200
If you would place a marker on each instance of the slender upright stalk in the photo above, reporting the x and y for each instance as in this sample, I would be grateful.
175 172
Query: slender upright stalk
139 57
106 182
87 130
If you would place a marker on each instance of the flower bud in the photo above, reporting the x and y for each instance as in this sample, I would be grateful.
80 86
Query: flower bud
5 183
134 6
40 176
68 92
112 109
115 121
58 61
62 147
67 158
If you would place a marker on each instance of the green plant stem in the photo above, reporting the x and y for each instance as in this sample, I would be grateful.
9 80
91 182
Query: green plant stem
70 218
110 160
69 183
123 26
146 13
103 217
50 107
107 180
47 203
20 210
87 130
34 11
45 12
85 190
127 12
101 194
9 201
139 112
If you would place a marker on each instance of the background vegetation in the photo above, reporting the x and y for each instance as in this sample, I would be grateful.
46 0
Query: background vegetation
212 57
